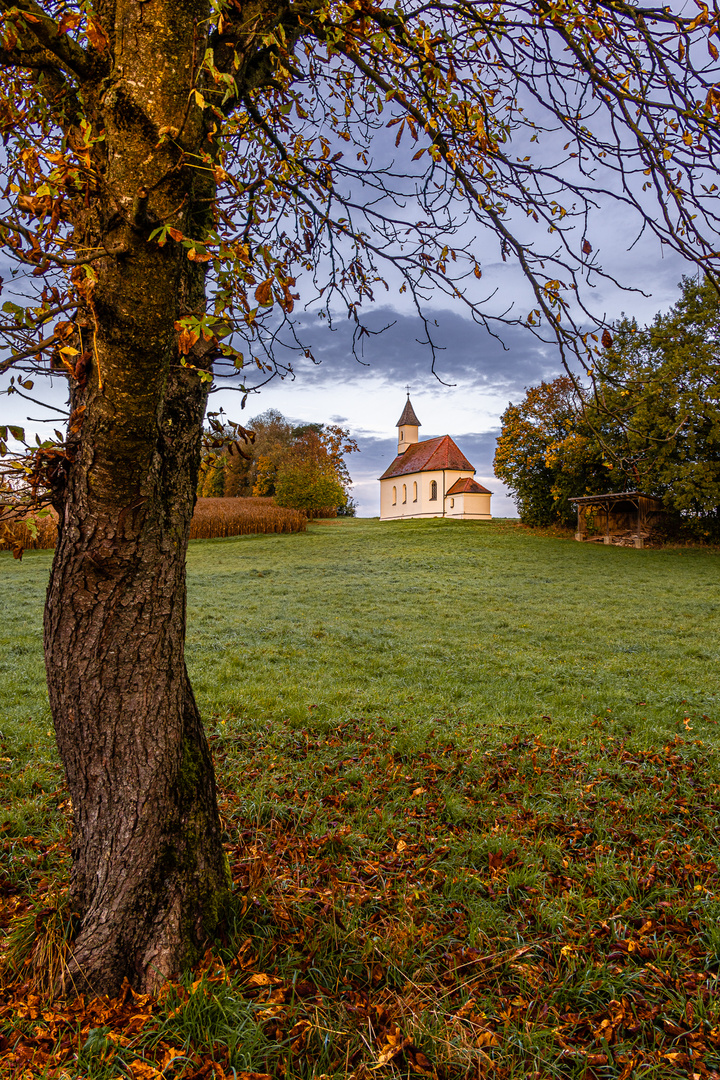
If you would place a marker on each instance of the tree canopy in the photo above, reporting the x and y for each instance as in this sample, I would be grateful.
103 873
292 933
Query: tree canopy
650 420
179 174
270 452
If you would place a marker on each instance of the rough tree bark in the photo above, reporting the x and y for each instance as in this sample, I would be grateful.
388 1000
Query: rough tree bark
149 874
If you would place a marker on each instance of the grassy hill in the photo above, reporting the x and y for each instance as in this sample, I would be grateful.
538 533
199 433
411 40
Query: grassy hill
470 785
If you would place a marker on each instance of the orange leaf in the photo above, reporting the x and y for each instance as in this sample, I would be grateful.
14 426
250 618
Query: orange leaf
263 293
186 341
96 36
587 247
176 234
606 339
69 21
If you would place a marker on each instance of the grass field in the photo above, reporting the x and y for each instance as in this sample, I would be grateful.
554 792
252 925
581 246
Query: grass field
470 625
470 786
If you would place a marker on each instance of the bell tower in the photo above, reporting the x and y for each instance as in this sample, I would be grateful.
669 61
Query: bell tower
407 426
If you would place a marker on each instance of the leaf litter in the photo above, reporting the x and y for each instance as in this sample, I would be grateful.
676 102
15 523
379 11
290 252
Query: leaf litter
435 909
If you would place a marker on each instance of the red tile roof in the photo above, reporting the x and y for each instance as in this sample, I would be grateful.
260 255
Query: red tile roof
468 486
425 456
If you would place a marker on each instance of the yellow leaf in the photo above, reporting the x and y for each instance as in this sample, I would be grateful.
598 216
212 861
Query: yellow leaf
198 256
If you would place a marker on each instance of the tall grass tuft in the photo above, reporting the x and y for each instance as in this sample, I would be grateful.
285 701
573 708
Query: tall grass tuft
213 518
38 946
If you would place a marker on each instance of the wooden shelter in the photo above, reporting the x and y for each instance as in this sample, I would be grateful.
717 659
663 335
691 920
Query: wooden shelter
620 517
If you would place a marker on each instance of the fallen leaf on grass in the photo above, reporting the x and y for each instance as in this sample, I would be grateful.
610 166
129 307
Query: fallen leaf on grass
261 979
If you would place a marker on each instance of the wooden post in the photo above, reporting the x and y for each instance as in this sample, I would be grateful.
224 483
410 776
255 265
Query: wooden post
607 522
638 536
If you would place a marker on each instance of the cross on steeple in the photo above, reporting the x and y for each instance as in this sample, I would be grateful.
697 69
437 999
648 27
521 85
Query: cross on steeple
408 388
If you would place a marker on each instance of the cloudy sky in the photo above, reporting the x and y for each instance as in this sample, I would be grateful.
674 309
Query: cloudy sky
477 375
480 373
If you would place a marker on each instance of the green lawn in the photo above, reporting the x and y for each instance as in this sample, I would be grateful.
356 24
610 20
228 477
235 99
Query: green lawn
476 626
470 786
481 627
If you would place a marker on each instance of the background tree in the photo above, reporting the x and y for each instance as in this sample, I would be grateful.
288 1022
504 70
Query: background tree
546 452
650 421
304 484
311 476
174 169
229 469
657 405
253 469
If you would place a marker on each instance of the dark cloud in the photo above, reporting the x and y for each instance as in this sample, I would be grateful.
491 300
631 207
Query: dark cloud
396 351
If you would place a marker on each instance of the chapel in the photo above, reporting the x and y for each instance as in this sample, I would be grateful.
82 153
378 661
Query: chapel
430 478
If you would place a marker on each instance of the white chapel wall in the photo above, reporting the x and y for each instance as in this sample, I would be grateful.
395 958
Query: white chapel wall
402 503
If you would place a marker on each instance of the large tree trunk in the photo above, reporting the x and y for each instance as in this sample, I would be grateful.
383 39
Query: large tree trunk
149 874
148 870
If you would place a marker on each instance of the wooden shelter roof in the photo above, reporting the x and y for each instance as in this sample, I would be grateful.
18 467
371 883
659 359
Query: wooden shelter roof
598 500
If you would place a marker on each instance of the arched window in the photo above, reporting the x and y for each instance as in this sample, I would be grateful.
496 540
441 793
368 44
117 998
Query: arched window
404 493
394 495
433 490
414 490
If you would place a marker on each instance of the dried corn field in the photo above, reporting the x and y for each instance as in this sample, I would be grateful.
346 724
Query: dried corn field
212 518
238 516
28 533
